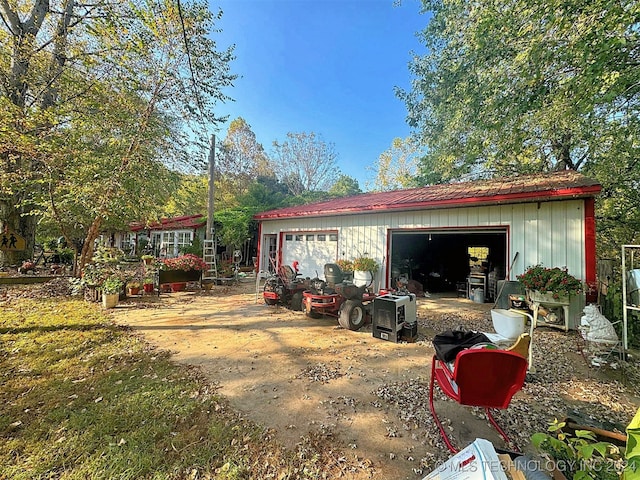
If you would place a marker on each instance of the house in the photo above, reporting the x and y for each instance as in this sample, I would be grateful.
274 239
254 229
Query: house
439 235
167 236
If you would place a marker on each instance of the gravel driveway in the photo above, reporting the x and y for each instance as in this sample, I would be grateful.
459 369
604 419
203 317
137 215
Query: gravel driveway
301 376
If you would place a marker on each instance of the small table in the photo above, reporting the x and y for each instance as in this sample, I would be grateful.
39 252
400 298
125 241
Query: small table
476 280
546 300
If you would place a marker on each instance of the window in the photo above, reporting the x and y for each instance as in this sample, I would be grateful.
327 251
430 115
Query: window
322 237
127 242
333 237
310 238
156 240
477 258
167 244
299 238
288 237
183 239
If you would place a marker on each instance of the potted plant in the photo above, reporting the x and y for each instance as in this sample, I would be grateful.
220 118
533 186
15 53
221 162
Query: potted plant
549 284
364 269
147 285
345 265
133 287
111 289
181 269
148 259
178 286
365 264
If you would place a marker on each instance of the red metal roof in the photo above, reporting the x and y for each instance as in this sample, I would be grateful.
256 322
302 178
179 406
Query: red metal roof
562 185
175 223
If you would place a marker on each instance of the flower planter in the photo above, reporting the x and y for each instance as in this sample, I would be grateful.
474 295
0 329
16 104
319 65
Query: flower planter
547 298
362 279
178 286
110 300
166 277
148 287
134 290
179 276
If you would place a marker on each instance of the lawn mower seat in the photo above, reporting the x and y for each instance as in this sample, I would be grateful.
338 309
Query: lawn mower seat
479 377
286 274
333 274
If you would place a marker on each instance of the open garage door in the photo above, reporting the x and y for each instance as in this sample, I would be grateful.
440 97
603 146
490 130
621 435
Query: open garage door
442 259
311 250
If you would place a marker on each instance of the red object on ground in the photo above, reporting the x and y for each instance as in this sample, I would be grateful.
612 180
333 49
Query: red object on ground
480 377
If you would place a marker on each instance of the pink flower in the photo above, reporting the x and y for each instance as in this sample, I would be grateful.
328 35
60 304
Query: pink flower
185 262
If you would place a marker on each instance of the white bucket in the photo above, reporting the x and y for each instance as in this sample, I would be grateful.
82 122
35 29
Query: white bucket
478 295
362 279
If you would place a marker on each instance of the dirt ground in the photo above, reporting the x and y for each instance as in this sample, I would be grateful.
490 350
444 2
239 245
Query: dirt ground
297 375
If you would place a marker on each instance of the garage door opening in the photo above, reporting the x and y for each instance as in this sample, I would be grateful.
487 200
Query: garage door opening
442 260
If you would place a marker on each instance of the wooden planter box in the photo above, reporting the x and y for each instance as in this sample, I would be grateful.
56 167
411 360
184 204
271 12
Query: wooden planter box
92 294
178 276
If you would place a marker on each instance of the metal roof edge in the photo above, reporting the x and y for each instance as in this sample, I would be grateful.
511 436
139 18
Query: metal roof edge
163 222
524 197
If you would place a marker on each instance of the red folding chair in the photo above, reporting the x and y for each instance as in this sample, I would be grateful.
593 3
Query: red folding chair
480 377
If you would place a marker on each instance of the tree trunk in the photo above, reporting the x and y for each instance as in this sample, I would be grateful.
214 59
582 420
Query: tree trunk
87 248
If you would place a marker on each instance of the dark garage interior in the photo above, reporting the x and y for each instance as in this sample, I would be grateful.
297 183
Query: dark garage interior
443 260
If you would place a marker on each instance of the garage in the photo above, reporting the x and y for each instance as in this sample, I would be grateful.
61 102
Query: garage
443 235
441 259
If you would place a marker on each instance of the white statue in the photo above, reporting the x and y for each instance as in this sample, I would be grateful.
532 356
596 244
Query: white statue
600 329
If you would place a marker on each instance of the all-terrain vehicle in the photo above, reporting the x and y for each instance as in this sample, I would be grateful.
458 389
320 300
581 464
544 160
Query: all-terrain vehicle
338 297
285 287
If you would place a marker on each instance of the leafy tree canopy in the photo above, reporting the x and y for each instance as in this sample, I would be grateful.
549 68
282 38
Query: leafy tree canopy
397 166
99 102
305 163
240 153
344 187
529 86
525 86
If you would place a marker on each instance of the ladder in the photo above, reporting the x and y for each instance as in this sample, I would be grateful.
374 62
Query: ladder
209 257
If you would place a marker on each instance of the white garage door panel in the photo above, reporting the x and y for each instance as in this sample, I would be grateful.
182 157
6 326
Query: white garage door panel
311 250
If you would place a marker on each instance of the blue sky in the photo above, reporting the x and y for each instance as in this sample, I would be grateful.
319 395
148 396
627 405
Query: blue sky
323 66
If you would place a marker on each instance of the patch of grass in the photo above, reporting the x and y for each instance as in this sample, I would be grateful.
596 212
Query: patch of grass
83 398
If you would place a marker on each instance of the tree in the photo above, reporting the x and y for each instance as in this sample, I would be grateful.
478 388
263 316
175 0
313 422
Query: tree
396 167
190 198
345 186
265 193
530 86
305 163
525 86
240 153
100 99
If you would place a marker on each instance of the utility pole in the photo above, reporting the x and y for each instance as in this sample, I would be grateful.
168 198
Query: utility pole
210 205
210 248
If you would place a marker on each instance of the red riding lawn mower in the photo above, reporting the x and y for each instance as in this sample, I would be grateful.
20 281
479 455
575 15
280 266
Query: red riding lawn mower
285 288
336 297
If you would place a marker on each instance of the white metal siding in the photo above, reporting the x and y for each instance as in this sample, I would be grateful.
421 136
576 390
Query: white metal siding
551 233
